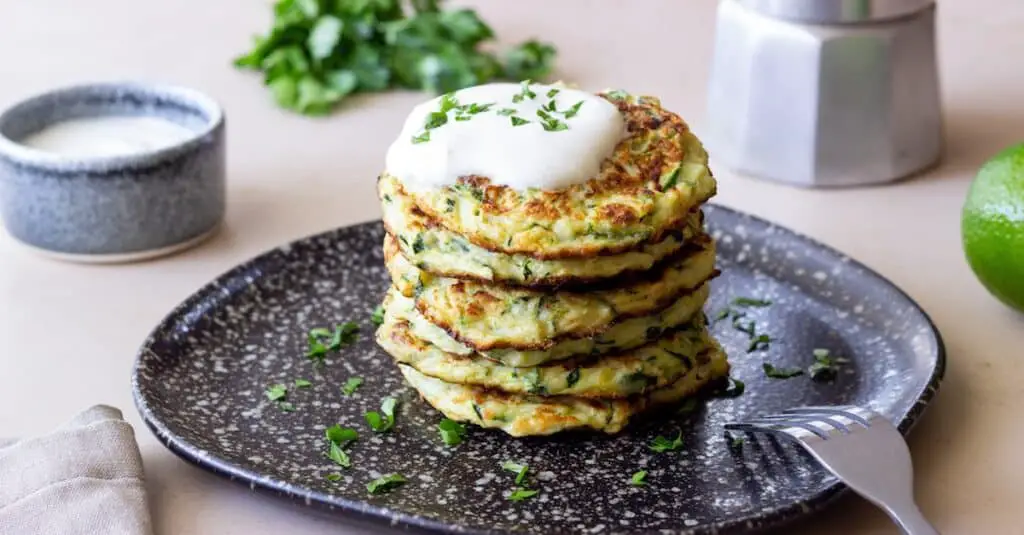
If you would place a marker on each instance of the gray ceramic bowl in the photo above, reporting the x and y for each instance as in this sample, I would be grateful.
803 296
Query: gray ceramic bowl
113 208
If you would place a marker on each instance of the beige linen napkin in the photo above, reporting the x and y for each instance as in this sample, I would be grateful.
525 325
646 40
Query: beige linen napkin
83 478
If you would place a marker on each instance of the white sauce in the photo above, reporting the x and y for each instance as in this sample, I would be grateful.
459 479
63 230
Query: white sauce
488 145
107 136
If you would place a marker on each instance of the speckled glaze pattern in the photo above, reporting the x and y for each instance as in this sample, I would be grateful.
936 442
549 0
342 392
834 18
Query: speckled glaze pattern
113 205
200 378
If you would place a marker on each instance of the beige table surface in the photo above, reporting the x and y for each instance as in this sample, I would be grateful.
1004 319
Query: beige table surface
68 333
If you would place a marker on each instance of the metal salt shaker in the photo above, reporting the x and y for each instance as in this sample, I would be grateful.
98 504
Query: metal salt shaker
825 93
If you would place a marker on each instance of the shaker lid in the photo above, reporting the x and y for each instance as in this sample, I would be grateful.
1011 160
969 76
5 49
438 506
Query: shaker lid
836 11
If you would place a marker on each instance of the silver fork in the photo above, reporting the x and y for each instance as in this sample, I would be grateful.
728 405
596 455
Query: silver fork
859 447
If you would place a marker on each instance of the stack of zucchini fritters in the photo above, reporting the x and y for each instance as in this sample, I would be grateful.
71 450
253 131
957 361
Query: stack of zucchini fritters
541 311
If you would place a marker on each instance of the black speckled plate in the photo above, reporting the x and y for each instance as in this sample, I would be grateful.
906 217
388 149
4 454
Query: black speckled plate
200 378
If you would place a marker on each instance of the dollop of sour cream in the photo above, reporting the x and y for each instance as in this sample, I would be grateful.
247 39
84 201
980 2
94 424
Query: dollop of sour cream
107 136
519 135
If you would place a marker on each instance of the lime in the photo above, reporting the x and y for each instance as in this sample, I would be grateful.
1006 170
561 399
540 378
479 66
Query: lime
992 226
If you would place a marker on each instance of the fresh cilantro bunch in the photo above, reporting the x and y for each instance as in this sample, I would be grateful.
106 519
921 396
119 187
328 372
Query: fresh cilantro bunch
320 51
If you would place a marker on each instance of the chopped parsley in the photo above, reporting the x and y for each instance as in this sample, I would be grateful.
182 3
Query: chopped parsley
351 385
552 92
452 432
571 112
735 389
519 470
322 340
750 302
518 121
780 373
303 383
759 342
385 484
825 367
333 477
337 438
505 112
639 479
521 494
379 423
286 406
422 138
377 317
661 444
277 392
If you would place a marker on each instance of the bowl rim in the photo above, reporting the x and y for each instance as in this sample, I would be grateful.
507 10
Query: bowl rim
186 96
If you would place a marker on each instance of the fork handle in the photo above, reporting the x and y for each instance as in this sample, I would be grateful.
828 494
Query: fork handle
910 520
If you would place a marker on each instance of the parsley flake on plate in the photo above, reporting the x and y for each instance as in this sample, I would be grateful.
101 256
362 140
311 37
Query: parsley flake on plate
639 479
661 444
759 342
385 484
825 367
377 317
383 423
351 385
518 469
303 383
452 432
338 438
521 494
277 392
780 373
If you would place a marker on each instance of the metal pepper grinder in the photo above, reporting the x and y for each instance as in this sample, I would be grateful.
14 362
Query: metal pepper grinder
825 93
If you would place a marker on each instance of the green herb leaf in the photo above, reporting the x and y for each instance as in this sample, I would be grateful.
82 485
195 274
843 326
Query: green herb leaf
422 138
780 373
505 112
343 334
324 36
336 434
750 302
338 455
303 383
531 59
734 389
452 432
825 367
520 494
552 92
518 469
277 392
517 121
385 484
377 318
379 423
639 479
571 112
351 385
661 444
286 406
333 477
761 341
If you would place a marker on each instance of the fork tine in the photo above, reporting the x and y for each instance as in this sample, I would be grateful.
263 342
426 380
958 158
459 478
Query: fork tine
750 427
809 419
780 424
846 412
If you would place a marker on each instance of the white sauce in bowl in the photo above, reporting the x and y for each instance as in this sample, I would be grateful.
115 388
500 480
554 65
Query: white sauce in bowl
522 136
113 135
